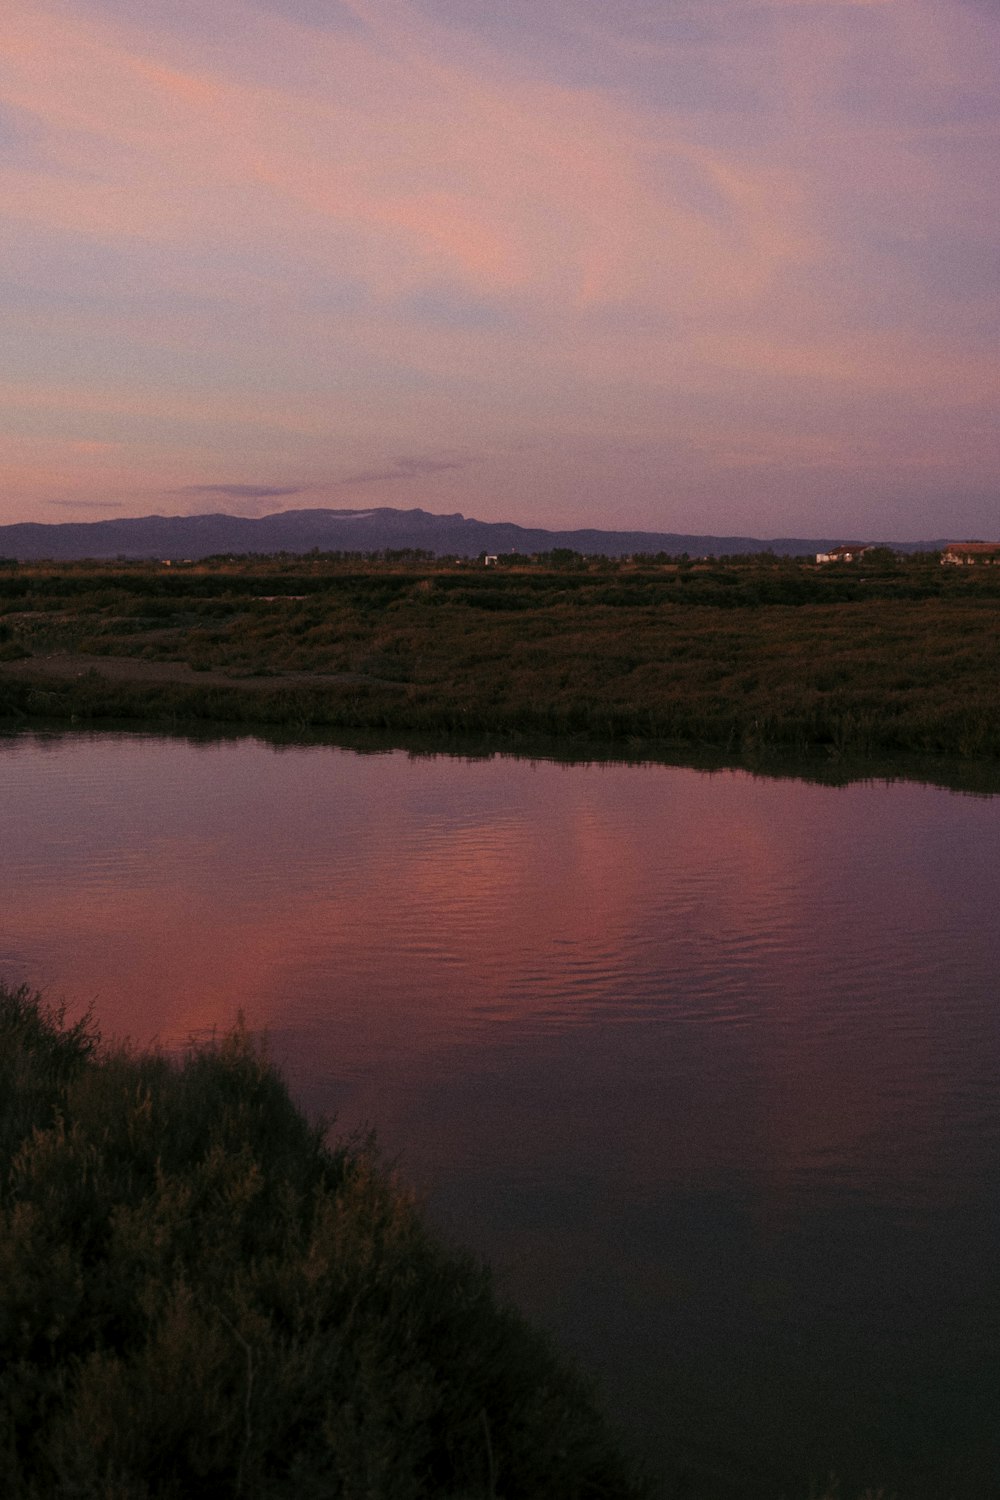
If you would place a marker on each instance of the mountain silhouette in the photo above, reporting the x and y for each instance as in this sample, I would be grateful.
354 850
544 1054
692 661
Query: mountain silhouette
377 530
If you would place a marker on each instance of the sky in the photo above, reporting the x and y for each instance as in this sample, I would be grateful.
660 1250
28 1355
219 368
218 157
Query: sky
711 266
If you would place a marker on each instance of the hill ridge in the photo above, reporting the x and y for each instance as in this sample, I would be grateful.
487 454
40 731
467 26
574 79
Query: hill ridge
375 529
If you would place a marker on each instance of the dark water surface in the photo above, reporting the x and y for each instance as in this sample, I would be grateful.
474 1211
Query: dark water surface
707 1064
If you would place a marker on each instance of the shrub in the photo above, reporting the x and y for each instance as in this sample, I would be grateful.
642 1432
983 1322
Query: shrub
198 1297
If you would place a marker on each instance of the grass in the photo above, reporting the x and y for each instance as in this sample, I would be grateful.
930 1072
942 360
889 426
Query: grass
743 657
200 1298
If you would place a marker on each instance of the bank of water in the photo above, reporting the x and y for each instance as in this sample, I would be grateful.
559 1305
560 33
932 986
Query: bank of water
704 1061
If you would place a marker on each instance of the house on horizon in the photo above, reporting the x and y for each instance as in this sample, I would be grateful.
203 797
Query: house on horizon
849 552
968 553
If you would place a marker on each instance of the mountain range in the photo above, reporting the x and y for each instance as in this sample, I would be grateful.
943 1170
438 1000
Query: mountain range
384 529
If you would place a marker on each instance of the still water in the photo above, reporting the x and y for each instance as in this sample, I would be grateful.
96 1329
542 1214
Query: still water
707 1064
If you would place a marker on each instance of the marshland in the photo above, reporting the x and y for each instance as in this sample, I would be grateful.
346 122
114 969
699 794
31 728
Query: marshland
890 654
331 1336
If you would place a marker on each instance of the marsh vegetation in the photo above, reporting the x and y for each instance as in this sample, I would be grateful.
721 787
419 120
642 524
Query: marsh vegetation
200 1297
898 655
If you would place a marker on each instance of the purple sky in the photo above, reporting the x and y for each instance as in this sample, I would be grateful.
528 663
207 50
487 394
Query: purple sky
686 265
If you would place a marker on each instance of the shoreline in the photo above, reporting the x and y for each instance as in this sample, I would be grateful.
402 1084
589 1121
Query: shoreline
90 688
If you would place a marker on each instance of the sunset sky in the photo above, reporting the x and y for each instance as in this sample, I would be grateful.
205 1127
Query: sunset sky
720 266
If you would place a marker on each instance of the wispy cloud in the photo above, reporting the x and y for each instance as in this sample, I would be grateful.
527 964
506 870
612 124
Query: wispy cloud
283 236
94 504
407 468
244 491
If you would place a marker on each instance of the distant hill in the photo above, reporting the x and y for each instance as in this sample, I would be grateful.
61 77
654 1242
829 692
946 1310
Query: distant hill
298 531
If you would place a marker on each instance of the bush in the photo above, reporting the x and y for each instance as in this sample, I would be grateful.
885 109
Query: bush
199 1298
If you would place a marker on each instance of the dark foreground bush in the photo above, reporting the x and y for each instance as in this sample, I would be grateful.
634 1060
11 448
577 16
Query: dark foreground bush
199 1299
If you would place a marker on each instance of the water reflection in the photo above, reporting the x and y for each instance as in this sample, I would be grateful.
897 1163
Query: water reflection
706 1062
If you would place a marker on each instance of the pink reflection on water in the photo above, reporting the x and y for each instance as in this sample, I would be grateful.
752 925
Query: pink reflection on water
696 1059
382 913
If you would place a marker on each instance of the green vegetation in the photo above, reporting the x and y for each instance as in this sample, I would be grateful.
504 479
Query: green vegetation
899 654
199 1299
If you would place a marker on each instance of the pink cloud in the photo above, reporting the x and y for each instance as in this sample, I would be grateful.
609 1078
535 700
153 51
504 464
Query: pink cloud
508 185
652 267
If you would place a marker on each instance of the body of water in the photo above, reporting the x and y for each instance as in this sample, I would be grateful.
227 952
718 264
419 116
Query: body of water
707 1064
